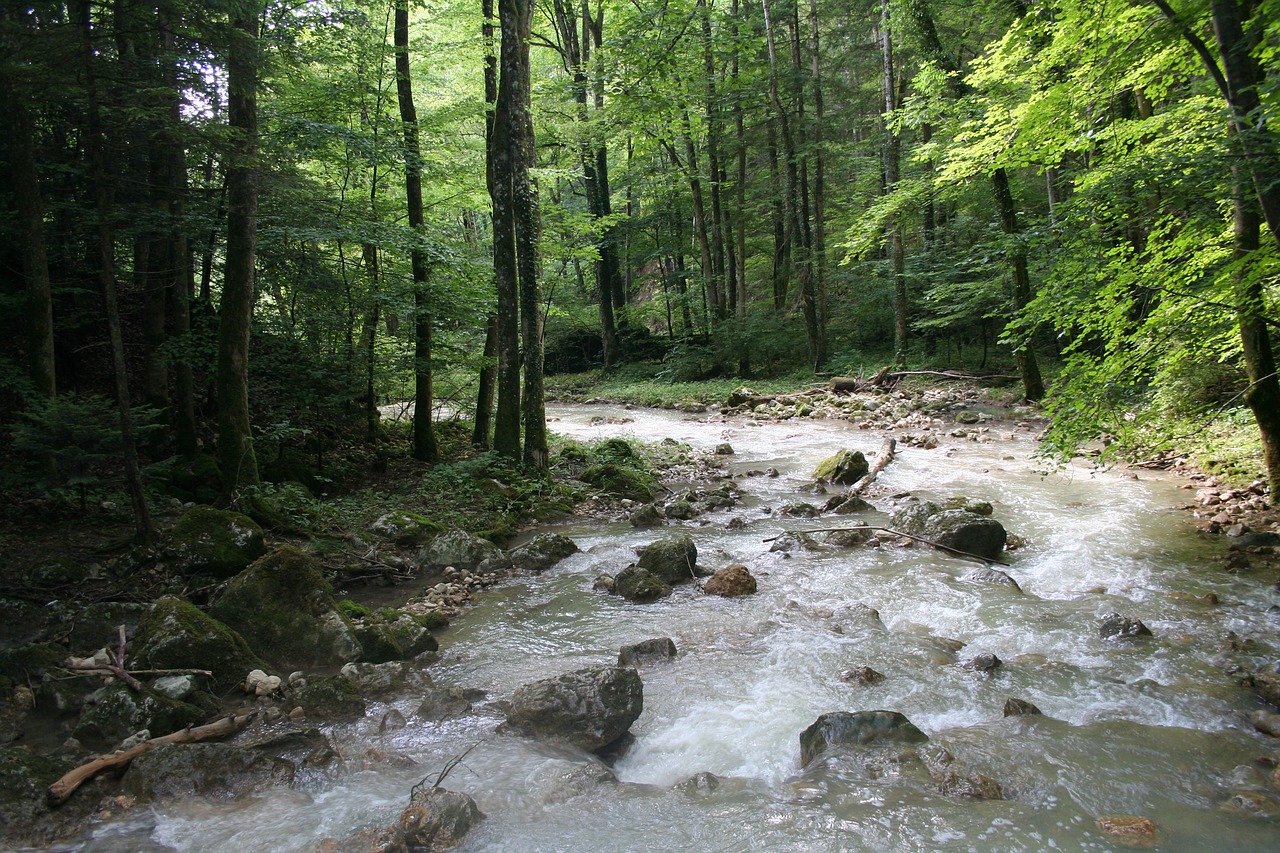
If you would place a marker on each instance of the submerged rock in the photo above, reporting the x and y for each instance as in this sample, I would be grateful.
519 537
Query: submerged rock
1019 707
989 575
215 771
587 708
647 651
646 516
1129 830
844 730
863 676
1116 627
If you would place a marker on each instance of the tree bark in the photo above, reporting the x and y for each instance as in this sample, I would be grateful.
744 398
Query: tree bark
892 167
1028 366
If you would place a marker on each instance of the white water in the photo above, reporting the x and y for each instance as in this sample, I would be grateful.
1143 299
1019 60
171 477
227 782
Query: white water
1156 728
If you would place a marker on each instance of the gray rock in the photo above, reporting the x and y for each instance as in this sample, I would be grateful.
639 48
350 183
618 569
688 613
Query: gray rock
958 529
646 516
863 676
850 537
984 664
588 708
216 542
1020 708
542 552
175 634
215 771
1116 627
386 680
176 687
647 651
461 550
443 704
989 575
673 559
640 585
436 820
844 731
679 510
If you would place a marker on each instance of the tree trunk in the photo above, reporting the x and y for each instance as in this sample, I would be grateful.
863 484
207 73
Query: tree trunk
892 167
819 236
1028 367
236 456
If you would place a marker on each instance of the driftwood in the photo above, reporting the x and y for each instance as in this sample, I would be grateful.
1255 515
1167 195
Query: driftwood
883 458
987 560
60 790
883 380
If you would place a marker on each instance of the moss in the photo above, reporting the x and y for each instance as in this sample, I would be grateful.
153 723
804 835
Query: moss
618 481
24 778
175 634
119 712
377 645
216 542
433 619
27 664
353 609
194 478
845 468
330 699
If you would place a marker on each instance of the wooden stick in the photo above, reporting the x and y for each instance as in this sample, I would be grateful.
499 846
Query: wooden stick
937 545
116 665
60 790
882 459
94 669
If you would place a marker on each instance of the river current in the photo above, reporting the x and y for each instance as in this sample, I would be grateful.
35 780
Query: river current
1154 728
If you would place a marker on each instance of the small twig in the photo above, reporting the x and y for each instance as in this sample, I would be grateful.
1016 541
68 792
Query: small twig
937 545
93 669
421 789
116 664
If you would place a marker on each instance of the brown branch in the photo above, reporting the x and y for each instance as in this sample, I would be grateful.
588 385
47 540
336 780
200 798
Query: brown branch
937 545
94 669
882 461
60 790
116 664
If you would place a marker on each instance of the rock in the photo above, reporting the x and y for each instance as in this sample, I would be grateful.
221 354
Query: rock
724 449
975 787
21 621
443 703
731 581
1267 686
740 397
386 680
846 468
636 584
284 608
844 730
406 529
984 664
215 771
1129 830
436 820
964 416
863 676
848 506
333 698
699 783
647 651
94 624
800 509
24 817
850 537
258 683
618 481
588 708
115 712
1253 804
788 542
175 634
679 510
1117 627
989 575
1020 707
216 542
542 552
646 516
672 560
460 549
958 529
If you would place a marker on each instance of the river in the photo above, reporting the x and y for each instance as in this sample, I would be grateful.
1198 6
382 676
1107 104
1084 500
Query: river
1153 728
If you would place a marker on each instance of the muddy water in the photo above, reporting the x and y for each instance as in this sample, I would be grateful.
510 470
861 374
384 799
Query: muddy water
1155 728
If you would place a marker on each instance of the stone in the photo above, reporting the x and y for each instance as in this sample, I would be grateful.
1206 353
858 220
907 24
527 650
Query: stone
647 651
258 683
846 468
640 585
992 576
115 712
216 542
406 529
958 529
672 560
984 664
646 516
25 819
863 676
442 703
699 783
679 510
176 634
460 549
731 581
1020 707
284 608
588 708
333 698
214 771
964 416
1129 830
800 509
386 680
975 787
1116 627
1267 686
724 449
435 820
849 506
849 537
618 481
542 552
844 730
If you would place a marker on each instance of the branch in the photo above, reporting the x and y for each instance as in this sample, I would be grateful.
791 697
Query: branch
1198 45
882 461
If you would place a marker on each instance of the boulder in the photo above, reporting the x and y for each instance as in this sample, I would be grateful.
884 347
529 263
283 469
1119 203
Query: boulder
863 676
618 481
1020 708
115 712
216 542
850 537
330 699
846 468
406 529
844 730
646 516
731 581
461 550
679 510
587 708
647 651
284 608
542 552
640 585
1116 627
1267 686
24 817
984 664
386 680
435 820
673 559
958 529
175 634
800 509
975 787
215 771
443 703
989 575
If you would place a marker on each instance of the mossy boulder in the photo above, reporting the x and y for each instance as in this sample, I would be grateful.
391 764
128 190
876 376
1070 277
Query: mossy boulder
542 552
25 819
195 479
28 663
216 542
412 633
462 550
214 771
618 481
846 468
117 712
636 584
334 698
284 608
406 529
959 529
176 634
21 621
673 559
94 624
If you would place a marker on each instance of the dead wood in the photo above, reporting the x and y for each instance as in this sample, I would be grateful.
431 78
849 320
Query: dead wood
938 545
60 790
883 458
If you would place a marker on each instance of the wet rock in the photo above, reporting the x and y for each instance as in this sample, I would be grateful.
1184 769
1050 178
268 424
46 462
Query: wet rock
672 560
604 583
640 585
24 817
679 510
1129 830
647 651
731 581
863 676
333 698
440 704
1116 627
846 468
843 730
284 608
1253 804
958 529
855 618
850 537
216 542
841 505
461 550
1267 686
699 783
406 529
215 771
94 624
724 449
964 416
588 708
975 787
989 575
800 509
411 632
984 664
618 481
542 552
1266 722
386 680
437 820
646 516
736 523
1019 707
788 542
175 634
583 779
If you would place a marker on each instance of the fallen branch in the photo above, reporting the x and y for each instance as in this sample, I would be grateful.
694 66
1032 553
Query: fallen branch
952 374
883 458
94 669
60 790
116 664
937 545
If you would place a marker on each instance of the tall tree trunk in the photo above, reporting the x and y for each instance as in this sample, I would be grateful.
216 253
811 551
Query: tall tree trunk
424 435
107 279
236 455
719 266
892 166
781 276
819 235
1028 366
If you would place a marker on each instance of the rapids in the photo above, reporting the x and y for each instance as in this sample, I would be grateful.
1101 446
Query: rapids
1156 728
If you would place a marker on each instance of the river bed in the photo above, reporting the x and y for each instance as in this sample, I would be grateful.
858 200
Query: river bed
1154 728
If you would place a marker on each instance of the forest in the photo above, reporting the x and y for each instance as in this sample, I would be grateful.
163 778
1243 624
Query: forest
234 230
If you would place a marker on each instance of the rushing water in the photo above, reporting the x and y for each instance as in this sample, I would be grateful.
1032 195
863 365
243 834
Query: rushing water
1154 728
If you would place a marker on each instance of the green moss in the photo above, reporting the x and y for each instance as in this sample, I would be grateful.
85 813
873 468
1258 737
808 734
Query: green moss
27 664
353 610
175 634
845 468
194 478
330 699
619 481
119 712
216 542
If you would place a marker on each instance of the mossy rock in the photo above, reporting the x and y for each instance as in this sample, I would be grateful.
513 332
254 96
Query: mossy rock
846 468
95 624
21 621
211 771
330 699
216 542
618 481
982 508
175 634
27 664
641 585
25 819
407 529
195 479
119 713
672 560
284 608
377 644
615 449
413 633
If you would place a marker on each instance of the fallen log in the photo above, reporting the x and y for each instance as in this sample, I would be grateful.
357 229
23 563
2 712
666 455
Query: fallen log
965 554
883 458
60 790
